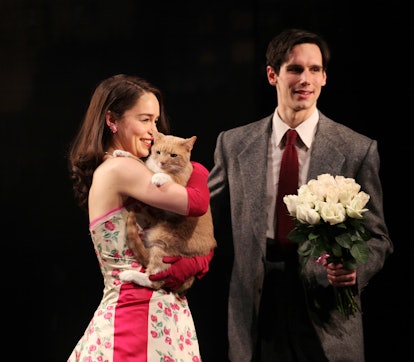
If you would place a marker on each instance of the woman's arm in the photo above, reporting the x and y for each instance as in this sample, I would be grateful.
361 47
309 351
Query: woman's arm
133 179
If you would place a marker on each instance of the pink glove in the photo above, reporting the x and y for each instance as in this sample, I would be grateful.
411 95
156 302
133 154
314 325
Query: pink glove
183 268
198 191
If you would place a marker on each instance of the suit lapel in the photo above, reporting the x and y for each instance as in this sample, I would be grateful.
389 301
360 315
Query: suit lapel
326 149
253 166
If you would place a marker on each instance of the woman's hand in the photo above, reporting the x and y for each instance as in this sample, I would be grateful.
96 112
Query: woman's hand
182 268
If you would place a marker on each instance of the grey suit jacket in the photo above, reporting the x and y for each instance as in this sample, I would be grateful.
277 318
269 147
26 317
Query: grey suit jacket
239 175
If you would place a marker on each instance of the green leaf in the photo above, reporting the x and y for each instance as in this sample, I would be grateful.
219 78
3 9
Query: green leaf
305 249
344 240
342 225
360 251
318 250
336 251
297 236
313 236
350 264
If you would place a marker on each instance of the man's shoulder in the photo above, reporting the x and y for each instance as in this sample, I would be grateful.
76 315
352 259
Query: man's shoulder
334 128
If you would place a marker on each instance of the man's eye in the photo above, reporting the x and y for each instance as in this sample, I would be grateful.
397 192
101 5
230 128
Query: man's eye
295 69
316 69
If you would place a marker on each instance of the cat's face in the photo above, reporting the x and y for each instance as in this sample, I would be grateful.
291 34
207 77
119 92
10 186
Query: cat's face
170 154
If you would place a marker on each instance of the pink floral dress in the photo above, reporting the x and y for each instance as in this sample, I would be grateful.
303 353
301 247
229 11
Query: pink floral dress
132 323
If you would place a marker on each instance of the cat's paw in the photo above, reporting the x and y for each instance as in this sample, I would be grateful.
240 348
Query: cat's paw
136 277
160 178
121 153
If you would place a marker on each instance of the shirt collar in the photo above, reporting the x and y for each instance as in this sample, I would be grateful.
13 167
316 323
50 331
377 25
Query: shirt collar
306 130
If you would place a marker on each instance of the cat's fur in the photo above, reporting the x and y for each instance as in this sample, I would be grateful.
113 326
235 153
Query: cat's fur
169 234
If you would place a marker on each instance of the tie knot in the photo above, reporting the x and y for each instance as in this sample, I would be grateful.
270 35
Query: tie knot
291 136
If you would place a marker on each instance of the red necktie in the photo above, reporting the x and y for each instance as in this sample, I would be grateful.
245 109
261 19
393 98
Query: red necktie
288 185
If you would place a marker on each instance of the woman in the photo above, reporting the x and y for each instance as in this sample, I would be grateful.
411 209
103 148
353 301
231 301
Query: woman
132 323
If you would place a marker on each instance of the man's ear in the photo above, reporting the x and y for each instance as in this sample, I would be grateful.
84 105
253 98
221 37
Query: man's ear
271 75
325 76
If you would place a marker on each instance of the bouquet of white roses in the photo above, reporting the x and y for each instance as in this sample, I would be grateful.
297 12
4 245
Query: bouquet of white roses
328 216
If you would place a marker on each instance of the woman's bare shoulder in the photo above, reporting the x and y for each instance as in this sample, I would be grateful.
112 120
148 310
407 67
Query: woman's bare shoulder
113 182
121 166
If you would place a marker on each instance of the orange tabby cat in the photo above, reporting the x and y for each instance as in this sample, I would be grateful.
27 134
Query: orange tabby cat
168 234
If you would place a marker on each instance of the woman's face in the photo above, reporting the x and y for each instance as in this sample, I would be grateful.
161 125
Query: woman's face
134 129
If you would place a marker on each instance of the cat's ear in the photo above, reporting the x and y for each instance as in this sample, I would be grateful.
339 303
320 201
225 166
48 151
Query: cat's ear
189 142
156 134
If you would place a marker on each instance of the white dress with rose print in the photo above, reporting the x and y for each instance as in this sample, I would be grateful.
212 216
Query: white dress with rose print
132 323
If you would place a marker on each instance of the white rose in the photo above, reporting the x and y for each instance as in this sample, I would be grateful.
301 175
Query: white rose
304 189
332 195
326 179
307 214
318 189
347 184
291 202
333 213
356 207
345 196
305 196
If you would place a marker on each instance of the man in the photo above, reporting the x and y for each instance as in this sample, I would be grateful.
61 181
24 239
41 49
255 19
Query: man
276 312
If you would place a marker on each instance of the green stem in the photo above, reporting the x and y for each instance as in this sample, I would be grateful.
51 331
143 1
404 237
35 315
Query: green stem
345 301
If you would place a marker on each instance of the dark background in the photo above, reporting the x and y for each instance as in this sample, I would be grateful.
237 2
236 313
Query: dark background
208 58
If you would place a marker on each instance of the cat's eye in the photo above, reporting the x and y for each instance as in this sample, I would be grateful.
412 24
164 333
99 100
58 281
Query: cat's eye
173 155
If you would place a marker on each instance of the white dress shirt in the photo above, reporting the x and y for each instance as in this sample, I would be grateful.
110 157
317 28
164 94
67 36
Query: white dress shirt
306 131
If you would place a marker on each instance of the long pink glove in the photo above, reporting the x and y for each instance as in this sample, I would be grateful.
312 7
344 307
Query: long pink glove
198 191
183 268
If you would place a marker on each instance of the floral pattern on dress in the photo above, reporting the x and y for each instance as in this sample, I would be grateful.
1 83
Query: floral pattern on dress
171 331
